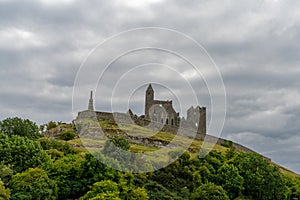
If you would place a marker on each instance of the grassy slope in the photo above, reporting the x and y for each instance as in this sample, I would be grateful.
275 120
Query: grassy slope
112 129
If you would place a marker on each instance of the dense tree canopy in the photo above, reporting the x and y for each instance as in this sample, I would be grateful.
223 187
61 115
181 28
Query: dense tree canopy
209 191
103 190
33 184
22 153
21 127
48 168
229 178
262 180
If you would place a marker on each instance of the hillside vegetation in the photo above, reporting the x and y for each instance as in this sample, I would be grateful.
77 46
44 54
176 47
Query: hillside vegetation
36 163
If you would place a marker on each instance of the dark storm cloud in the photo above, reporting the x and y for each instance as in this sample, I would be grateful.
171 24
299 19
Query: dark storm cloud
255 44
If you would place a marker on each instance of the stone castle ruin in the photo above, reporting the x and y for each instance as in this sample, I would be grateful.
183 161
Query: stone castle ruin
158 112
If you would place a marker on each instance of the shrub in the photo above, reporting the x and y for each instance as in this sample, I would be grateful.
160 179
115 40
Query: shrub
49 143
227 143
67 135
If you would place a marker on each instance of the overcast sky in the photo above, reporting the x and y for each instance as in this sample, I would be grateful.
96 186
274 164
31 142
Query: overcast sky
254 44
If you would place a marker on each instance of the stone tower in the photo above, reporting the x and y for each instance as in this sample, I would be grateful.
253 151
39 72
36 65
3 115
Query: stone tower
91 102
197 116
149 97
159 110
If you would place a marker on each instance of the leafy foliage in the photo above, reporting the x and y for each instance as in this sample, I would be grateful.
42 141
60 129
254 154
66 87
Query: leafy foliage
157 192
51 125
110 190
4 193
118 142
5 173
22 153
67 135
74 174
27 172
229 178
33 184
117 148
48 144
21 127
262 180
210 191
103 190
294 187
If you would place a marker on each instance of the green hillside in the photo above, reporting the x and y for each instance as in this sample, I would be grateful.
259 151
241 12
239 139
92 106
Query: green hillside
56 164
127 130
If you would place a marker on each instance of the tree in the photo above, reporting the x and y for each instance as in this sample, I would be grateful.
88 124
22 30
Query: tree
22 153
128 191
293 184
93 169
103 190
138 194
4 193
21 127
65 172
209 191
215 159
74 174
262 181
117 148
51 125
157 192
229 178
33 184
205 173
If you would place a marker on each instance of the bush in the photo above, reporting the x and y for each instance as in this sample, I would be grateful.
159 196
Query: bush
49 143
67 135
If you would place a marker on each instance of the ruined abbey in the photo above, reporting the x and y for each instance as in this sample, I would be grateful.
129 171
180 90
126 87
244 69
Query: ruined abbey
156 112
160 111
